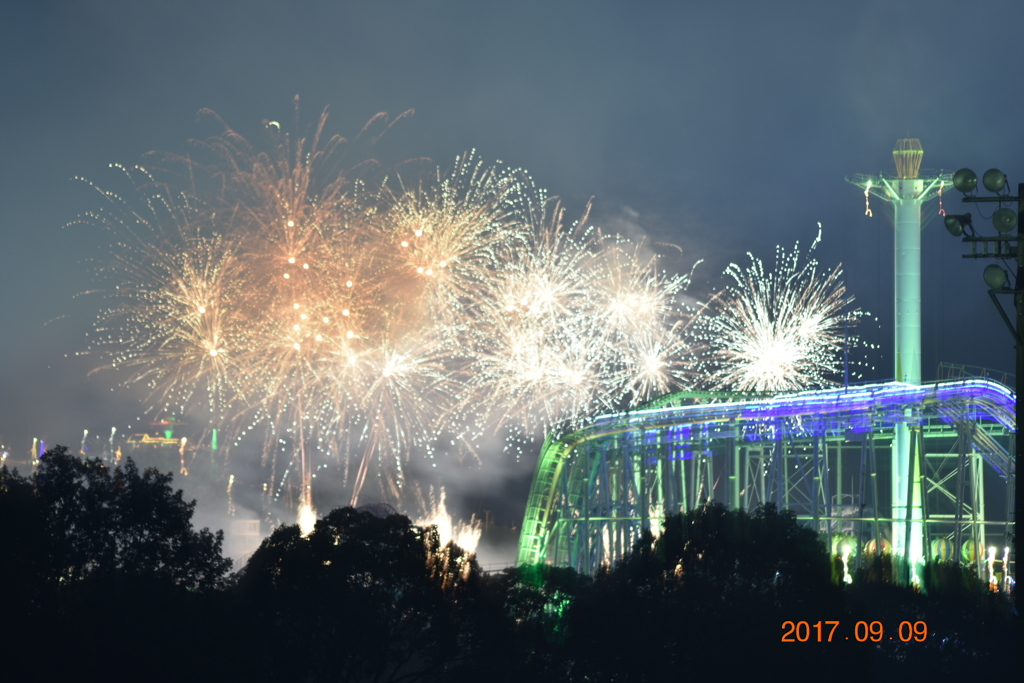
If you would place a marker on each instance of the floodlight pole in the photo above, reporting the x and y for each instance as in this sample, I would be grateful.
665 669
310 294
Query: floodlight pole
1002 248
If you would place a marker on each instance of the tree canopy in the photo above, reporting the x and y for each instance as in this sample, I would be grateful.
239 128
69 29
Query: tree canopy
92 556
76 519
362 597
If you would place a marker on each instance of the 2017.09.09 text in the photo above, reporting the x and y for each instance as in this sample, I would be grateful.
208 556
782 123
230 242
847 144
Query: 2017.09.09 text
863 631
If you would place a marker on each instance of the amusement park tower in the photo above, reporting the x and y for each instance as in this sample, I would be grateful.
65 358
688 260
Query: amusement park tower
905 191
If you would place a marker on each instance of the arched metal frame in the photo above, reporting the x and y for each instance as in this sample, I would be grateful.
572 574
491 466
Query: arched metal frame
817 453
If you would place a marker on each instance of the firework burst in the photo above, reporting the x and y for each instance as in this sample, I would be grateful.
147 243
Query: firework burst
448 233
170 327
534 355
645 326
778 330
369 321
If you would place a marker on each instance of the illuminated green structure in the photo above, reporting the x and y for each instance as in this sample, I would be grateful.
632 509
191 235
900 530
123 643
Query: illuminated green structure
817 453
905 191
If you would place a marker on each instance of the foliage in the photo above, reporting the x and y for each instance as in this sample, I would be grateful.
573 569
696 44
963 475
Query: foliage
88 521
24 542
355 600
93 556
715 581
730 550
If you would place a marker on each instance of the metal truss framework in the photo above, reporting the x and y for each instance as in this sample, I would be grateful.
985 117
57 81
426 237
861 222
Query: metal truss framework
816 453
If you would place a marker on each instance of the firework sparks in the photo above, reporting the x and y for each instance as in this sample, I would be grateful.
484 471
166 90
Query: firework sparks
534 354
465 535
370 321
575 322
449 233
174 325
778 330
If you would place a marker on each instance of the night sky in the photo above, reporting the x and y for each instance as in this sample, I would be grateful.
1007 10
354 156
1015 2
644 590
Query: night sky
722 128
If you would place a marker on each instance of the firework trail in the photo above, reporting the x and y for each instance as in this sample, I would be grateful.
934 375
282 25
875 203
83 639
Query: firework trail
253 292
314 288
409 386
777 330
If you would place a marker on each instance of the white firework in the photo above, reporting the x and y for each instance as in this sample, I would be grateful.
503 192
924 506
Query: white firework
777 330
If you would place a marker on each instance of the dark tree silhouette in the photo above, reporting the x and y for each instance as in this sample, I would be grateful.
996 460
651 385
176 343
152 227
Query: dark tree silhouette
766 551
25 546
707 596
103 522
87 520
92 557
358 599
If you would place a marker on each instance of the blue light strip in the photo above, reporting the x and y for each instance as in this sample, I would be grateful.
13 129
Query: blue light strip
864 408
